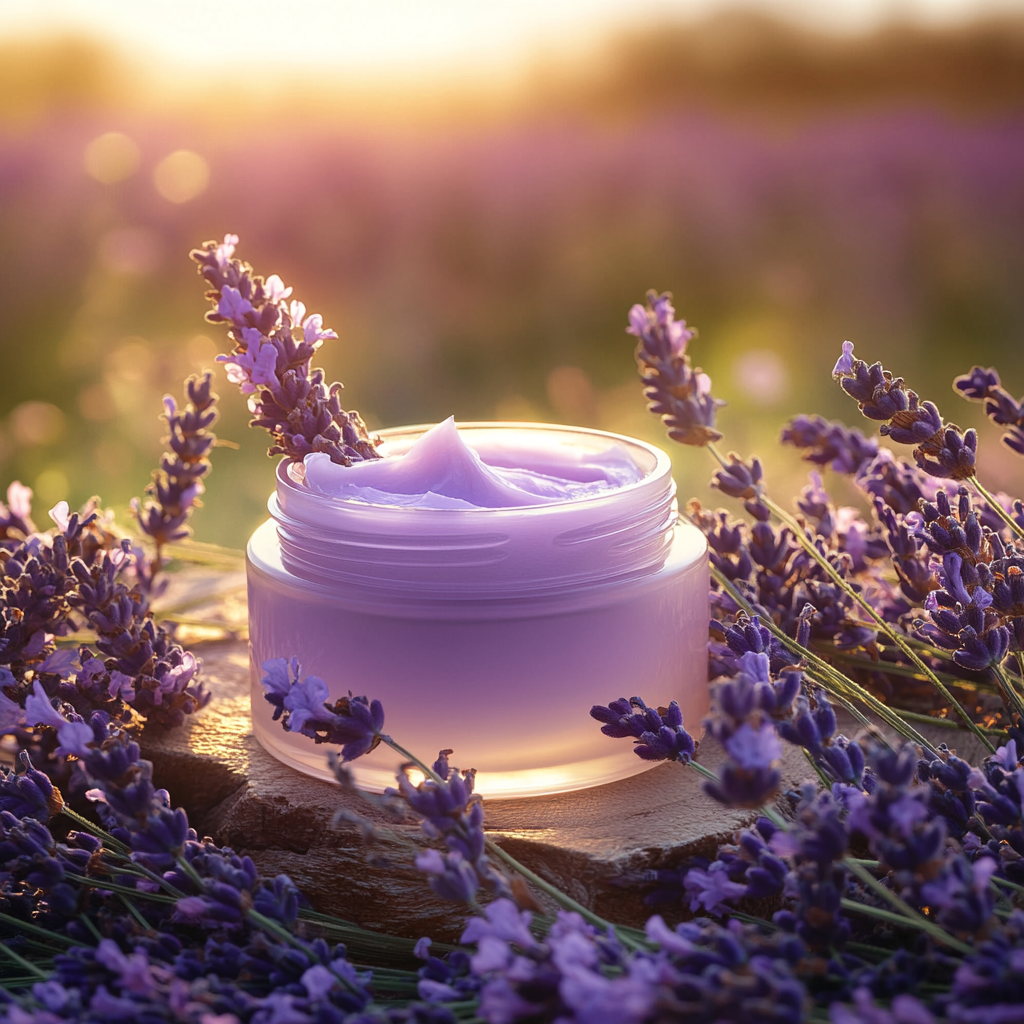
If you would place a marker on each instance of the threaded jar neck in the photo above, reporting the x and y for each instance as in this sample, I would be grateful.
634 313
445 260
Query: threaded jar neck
482 553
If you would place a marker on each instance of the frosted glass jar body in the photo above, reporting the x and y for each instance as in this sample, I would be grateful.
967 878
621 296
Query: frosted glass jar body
491 631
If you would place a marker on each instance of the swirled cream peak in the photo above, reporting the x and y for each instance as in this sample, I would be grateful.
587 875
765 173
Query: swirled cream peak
511 470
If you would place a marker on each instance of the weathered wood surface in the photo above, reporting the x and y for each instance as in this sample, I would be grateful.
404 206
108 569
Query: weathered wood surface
582 842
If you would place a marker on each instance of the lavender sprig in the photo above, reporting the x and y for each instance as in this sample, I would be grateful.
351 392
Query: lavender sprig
444 800
188 928
178 482
981 385
943 450
273 344
678 393
72 578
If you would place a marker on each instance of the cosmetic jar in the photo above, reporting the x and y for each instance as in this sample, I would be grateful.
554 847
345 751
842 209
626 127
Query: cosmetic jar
490 631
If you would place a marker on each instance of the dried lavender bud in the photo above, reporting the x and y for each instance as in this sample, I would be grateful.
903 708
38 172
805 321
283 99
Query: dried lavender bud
675 391
274 343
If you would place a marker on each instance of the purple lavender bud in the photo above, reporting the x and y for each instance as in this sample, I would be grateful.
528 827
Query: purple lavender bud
949 454
963 895
274 343
978 653
353 723
711 889
1014 439
977 384
770 549
616 718
451 877
441 766
748 635
942 450
178 481
844 365
658 734
744 787
278 900
913 425
671 742
1000 406
28 793
843 449
740 480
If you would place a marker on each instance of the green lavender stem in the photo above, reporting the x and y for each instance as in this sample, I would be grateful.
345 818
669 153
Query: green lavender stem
924 925
916 918
996 507
886 628
93 829
829 677
1010 693
34 929
946 723
22 962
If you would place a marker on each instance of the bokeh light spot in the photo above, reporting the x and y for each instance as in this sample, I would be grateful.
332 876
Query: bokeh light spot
181 176
36 423
111 157
761 375
202 353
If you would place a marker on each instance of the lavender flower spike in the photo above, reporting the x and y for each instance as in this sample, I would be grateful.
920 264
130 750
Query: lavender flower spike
353 723
178 482
273 343
657 735
1000 406
942 450
676 391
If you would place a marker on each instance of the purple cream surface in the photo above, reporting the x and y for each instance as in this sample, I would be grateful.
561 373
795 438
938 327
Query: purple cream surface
439 470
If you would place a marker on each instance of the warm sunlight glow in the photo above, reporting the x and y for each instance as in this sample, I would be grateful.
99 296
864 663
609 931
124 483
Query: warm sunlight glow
111 157
405 38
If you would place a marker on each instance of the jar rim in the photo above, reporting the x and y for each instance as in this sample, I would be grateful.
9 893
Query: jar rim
661 468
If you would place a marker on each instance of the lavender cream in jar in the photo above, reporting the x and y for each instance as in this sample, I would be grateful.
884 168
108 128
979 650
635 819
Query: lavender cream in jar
488 585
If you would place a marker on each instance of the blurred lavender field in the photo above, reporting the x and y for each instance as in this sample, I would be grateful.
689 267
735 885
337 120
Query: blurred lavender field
484 268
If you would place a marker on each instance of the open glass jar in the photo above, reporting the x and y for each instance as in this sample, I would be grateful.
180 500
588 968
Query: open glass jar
488 630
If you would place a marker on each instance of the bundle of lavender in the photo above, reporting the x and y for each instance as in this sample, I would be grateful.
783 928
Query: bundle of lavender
77 630
884 890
